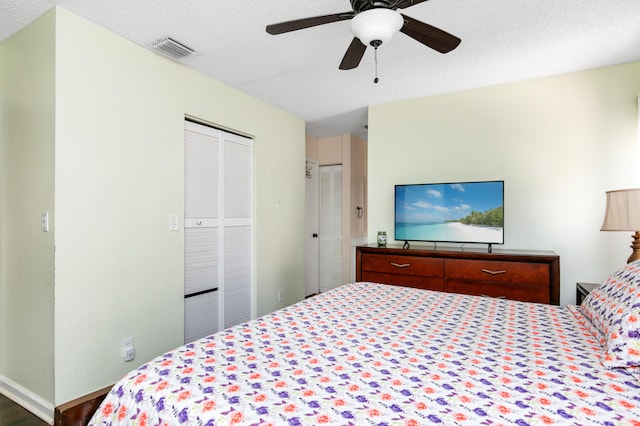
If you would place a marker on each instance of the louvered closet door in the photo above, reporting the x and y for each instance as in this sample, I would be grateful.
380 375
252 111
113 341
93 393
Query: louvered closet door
238 196
330 227
218 231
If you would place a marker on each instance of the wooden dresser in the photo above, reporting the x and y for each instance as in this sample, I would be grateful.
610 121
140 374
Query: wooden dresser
528 276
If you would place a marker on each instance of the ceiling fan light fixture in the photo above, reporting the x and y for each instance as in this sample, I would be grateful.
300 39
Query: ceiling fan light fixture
376 25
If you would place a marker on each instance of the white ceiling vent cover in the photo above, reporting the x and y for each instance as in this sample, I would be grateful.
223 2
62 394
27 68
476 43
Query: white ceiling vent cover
172 48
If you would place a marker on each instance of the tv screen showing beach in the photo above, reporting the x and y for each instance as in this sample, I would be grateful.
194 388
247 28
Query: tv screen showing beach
464 212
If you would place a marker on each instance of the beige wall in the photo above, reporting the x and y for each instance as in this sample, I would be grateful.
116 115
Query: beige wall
330 151
558 143
119 114
27 100
311 147
358 183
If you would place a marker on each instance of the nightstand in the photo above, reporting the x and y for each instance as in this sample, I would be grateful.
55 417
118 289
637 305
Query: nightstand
582 289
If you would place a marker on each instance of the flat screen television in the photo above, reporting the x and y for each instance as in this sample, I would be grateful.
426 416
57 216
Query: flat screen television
456 212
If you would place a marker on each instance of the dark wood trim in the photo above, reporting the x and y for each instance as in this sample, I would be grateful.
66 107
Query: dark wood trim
541 256
582 291
78 412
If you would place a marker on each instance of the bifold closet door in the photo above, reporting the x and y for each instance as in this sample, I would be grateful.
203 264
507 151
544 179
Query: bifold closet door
330 227
237 228
217 230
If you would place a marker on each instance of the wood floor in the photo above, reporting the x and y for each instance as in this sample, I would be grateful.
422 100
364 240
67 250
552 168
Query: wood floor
11 414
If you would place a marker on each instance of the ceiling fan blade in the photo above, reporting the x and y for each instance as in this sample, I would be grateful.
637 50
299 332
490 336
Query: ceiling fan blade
408 3
354 55
299 24
428 35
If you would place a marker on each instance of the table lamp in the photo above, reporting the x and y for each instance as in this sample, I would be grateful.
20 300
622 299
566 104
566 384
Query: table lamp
623 214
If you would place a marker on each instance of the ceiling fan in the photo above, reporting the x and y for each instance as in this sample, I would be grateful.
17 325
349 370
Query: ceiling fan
374 22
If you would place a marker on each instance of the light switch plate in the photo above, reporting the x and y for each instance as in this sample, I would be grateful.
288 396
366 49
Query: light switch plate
174 224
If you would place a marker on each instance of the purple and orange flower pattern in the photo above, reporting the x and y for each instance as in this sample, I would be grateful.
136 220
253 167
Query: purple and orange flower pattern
614 308
374 354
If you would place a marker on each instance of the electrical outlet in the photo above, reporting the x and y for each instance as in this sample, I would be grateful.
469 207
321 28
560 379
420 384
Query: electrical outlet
280 296
127 349
44 221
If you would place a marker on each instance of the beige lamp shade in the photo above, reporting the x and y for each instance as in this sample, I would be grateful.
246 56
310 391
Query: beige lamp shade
623 211
623 214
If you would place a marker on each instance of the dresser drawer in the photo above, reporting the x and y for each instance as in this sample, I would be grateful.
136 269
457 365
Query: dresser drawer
497 271
403 265
414 281
513 291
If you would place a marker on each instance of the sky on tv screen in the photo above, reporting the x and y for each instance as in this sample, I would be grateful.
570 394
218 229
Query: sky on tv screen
437 203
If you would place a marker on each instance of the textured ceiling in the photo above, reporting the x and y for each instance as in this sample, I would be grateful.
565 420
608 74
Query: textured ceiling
502 41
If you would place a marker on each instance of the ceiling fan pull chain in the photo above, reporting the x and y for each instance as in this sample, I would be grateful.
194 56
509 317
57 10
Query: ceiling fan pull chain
375 56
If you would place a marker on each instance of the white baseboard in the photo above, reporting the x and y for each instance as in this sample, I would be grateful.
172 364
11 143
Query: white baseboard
29 400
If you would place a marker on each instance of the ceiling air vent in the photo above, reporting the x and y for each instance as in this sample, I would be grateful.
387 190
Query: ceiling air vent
172 48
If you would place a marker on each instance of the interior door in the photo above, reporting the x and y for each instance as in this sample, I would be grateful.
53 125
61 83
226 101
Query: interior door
330 235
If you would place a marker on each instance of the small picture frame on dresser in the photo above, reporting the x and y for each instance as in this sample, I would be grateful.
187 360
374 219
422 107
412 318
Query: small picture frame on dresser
582 290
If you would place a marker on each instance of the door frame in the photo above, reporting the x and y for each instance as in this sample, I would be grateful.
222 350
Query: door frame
312 284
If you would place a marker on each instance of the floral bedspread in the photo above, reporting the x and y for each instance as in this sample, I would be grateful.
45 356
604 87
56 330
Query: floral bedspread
373 354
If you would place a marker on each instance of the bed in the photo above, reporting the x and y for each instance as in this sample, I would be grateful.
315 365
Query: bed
376 354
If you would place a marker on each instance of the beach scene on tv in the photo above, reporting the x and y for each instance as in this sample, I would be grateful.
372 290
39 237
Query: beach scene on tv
470 212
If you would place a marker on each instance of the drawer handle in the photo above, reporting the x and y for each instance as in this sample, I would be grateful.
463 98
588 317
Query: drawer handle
400 265
489 271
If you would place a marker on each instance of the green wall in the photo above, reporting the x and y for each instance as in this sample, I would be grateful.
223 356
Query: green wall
558 143
116 157
27 100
